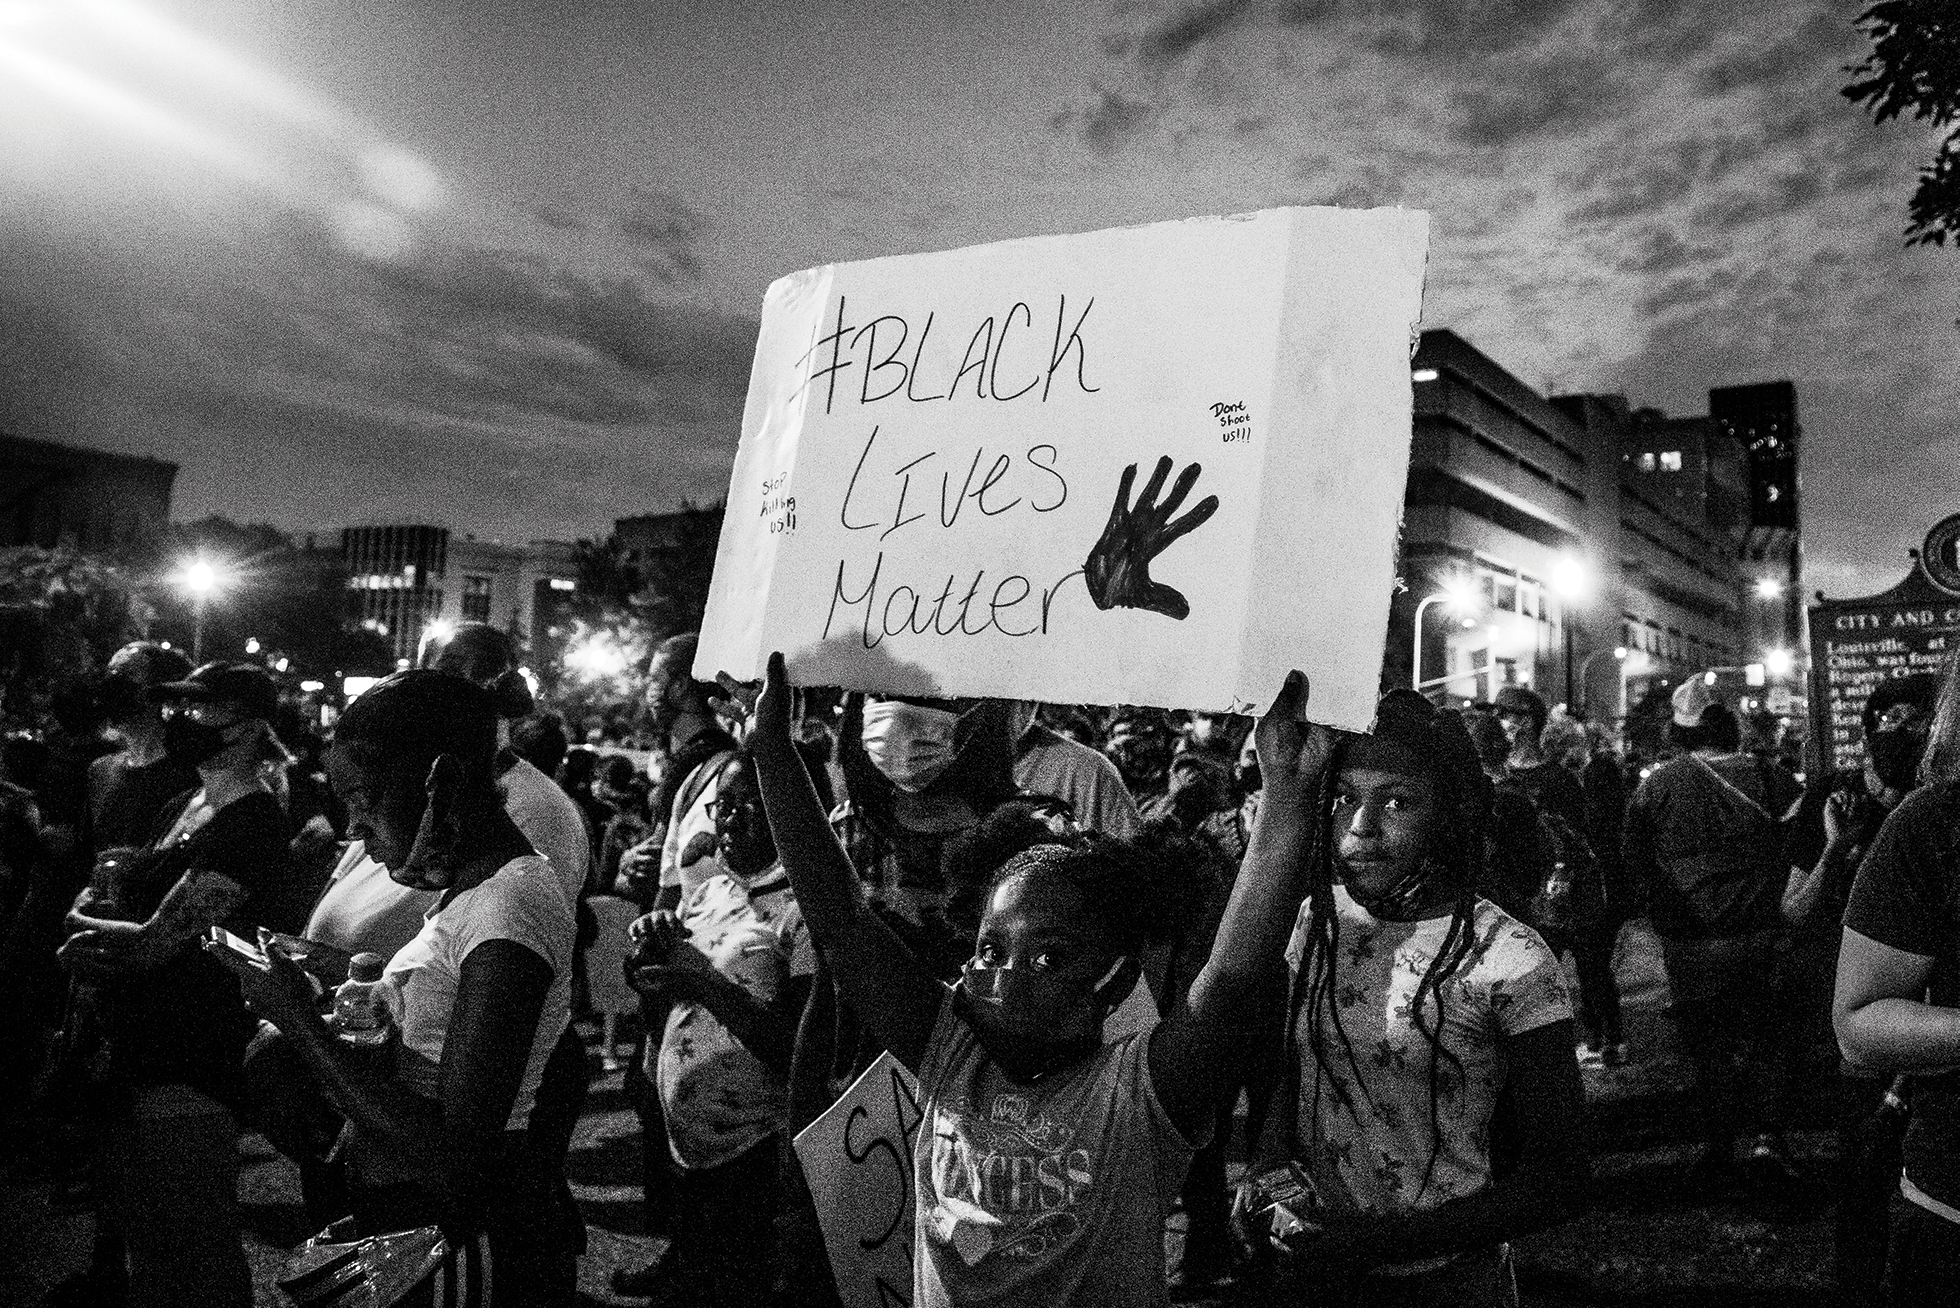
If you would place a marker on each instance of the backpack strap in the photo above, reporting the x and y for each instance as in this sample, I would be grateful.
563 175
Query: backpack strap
1736 790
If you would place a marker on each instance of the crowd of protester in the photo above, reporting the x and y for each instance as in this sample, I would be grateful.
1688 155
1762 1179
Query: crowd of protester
1116 947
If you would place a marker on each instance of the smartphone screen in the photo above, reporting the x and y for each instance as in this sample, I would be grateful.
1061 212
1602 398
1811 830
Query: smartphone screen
240 946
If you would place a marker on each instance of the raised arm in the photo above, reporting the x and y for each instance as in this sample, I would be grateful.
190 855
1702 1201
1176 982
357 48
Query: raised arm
1196 1054
889 988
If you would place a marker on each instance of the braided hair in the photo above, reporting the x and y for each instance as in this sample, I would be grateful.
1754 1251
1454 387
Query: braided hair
1455 857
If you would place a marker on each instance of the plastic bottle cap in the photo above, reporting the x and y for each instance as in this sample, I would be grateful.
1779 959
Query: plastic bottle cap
366 967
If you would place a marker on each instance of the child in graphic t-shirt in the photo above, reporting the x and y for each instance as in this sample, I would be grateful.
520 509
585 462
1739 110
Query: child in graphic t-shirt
1047 1159
1416 1005
738 979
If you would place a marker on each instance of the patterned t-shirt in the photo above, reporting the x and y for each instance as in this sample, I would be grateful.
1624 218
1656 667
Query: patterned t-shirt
720 1099
1366 1139
1046 1193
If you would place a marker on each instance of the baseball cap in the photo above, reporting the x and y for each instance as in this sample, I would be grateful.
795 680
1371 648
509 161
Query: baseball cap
1690 698
250 688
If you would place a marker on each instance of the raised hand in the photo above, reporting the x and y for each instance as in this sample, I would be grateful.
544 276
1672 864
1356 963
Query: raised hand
1118 570
1292 753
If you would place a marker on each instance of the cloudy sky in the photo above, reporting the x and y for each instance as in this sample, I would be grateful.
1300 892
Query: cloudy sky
498 264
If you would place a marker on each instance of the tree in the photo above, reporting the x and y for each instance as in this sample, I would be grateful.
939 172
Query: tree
62 614
1914 69
625 606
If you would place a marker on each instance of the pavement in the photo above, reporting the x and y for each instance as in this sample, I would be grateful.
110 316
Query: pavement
1646 1241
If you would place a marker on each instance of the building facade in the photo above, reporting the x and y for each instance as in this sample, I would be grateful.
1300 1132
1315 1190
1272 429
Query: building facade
52 494
1569 544
406 579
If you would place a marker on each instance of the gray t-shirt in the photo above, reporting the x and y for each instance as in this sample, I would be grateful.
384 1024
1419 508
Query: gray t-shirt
1047 1194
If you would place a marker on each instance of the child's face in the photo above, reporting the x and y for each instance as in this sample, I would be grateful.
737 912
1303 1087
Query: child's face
1035 967
1383 823
741 828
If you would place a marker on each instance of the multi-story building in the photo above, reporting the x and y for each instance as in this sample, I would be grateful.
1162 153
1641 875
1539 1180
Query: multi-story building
1570 544
405 579
52 494
1763 419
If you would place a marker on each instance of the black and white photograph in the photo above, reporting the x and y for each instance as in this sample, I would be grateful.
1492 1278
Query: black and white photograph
1011 654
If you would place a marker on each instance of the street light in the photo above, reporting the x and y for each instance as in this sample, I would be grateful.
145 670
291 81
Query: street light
1769 588
1456 595
1573 584
201 579
1619 652
1779 662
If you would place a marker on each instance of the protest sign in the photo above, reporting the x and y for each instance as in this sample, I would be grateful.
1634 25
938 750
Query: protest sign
857 1158
1154 465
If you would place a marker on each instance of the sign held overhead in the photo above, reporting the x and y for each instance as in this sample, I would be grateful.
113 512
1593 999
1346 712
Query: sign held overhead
1155 465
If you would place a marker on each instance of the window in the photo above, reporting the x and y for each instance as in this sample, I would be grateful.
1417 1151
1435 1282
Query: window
1645 462
1507 594
1670 460
476 599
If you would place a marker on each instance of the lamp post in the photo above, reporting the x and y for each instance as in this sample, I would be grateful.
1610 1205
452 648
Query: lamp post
1451 597
1569 579
1619 652
200 578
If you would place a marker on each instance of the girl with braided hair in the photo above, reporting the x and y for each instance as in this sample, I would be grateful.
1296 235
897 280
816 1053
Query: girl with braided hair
1424 1019
1046 1159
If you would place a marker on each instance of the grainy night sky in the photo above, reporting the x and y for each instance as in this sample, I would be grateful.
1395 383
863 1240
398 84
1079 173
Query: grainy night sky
498 264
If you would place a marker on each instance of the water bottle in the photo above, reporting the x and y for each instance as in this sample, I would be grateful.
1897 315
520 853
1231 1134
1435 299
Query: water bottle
361 1015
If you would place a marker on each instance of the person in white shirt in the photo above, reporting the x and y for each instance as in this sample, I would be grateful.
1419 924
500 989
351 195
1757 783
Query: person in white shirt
484 989
1049 763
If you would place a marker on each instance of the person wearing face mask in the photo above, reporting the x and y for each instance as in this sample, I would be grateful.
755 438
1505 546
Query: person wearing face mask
1835 824
449 1134
1052 1156
917 772
175 1022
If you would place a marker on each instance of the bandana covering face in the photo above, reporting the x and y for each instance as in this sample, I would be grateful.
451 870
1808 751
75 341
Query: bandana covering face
910 744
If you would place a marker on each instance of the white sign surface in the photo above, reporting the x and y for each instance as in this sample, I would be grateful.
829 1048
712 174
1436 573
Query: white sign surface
857 1158
1155 465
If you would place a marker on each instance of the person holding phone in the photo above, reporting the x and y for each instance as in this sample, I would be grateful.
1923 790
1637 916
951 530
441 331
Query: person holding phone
446 1135
175 1023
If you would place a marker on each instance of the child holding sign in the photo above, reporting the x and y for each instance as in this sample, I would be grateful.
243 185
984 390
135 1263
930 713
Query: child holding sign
1051 1157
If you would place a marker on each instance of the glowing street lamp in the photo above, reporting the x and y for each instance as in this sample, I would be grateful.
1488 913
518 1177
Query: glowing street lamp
1457 597
1779 662
1769 588
201 579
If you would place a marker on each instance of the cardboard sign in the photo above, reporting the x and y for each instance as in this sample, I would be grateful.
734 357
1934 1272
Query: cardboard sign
857 1158
1156 465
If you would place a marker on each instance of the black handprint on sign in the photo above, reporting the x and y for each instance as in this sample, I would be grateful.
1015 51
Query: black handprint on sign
1118 570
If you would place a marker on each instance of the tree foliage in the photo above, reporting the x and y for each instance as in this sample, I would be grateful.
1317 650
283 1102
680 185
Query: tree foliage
62 613
1914 71
628 602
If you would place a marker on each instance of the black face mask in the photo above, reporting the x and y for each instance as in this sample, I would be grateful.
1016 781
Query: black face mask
1895 756
190 742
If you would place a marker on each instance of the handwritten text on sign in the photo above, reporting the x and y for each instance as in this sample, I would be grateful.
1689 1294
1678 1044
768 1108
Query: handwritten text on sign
1155 465
857 1158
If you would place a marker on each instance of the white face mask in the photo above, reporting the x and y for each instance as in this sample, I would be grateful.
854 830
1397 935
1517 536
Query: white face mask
910 744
